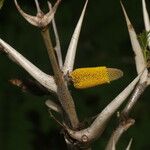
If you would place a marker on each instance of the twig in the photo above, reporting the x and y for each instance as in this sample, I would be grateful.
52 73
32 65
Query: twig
97 127
54 118
138 91
123 126
62 89
57 47
126 122
141 86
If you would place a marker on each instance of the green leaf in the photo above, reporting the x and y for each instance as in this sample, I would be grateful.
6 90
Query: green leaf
1 3
144 40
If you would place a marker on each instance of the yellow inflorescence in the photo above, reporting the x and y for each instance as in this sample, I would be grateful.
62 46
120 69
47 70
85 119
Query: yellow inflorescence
89 77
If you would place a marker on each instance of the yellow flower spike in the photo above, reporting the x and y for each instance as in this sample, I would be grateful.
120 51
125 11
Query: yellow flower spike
89 77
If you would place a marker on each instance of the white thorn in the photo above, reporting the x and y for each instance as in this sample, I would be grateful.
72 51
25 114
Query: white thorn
113 145
129 145
53 106
70 57
37 7
29 18
44 79
145 16
139 58
50 15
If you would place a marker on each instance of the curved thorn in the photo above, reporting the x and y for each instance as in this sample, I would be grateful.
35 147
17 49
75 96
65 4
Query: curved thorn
50 15
31 19
70 57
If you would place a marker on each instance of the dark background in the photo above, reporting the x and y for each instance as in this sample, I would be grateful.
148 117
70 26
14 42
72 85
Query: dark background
24 120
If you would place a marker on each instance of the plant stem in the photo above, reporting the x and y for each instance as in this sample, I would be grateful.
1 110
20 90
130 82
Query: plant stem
122 127
63 93
139 89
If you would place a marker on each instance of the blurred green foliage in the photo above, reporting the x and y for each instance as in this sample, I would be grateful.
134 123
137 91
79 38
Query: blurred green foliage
24 120
1 3
144 40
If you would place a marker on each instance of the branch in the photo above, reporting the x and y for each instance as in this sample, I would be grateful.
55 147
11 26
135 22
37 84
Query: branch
44 79
138 91
141 86
126 122
97 127
123 126
42 20
63 93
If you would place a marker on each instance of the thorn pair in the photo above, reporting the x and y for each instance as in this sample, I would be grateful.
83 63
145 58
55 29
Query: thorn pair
41 20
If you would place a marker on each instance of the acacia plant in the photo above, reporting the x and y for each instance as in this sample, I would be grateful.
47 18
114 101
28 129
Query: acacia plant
76 134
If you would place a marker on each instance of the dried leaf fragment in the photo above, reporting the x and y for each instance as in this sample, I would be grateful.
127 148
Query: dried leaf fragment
30 86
